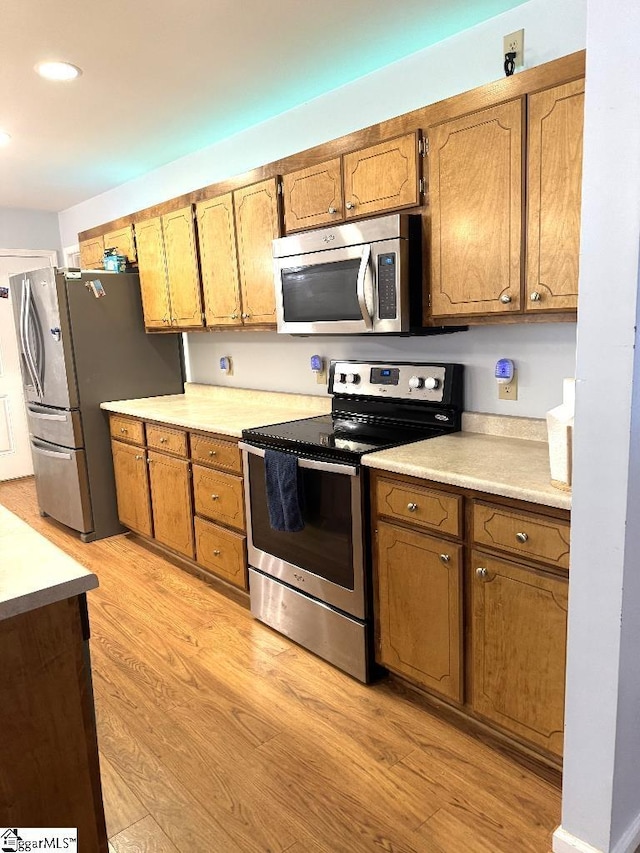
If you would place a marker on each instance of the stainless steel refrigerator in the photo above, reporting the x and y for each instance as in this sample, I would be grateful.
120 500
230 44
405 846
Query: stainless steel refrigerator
82 342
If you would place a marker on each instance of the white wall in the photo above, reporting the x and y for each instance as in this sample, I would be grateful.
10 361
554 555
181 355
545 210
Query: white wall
545 354
28 229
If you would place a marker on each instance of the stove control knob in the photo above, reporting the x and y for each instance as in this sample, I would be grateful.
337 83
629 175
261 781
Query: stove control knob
431 383
416 382
342 378
353 378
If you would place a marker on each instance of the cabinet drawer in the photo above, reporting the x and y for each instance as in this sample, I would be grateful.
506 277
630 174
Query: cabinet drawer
167 439
221 552
533 536
126 429
214 451
420 506
218 496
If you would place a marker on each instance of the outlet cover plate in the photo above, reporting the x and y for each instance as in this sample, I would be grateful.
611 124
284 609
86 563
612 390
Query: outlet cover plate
515 42
509 391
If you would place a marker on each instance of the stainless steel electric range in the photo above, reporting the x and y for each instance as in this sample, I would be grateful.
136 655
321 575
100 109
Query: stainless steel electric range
314 585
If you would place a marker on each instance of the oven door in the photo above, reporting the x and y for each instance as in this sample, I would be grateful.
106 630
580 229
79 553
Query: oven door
325 560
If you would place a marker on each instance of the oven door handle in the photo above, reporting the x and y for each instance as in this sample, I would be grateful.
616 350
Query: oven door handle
314 464
364 287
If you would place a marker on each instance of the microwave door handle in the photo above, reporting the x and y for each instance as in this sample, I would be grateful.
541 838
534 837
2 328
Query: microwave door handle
364 287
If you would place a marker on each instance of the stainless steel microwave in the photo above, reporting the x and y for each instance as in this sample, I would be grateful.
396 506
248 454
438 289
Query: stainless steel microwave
349 279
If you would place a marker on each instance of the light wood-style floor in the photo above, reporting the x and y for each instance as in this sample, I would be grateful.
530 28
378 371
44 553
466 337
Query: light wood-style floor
217 735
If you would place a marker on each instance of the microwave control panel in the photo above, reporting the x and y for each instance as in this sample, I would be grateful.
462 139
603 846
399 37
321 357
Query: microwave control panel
424 382
387 298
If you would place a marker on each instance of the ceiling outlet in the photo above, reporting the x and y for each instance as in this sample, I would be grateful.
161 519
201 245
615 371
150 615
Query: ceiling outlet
514 43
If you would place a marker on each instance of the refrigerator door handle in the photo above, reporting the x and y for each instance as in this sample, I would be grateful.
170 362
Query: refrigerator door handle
56 454
27 315
23 342
45 416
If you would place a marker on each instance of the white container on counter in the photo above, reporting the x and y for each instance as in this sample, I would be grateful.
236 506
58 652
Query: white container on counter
560 433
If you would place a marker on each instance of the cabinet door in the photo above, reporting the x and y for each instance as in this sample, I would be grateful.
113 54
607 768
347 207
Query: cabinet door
476 196
122 240
519 626
420 608
182 268
382 177
91 253
313 196
171 502
257 225
132 487
153 274
554 187
219 261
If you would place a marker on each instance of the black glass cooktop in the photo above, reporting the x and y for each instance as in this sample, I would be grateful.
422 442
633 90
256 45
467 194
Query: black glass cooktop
340 438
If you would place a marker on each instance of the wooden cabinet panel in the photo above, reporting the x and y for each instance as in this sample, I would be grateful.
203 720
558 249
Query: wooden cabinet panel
524 534
382 177
122 240
154 285
126 429
554 188
168 439
219 496
519 623
476 196
218 260
313 196
257 225
420 608
222 552
420 506
171 502
132 487
182 268
216 452
91 253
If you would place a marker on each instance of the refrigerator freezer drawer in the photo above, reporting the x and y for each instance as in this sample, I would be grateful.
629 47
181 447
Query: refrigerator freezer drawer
62 484
57 426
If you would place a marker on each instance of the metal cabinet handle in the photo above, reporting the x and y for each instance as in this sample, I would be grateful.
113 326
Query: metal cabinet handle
535 296
245 316
350 205
212 453
123 430
139 457
215 497
481 573
505 299
445 558
412 507
216 553
163 440
332 210
521 537
234 316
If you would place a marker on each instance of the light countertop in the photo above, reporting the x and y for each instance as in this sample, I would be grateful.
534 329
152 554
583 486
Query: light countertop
226 411
33 571
499 465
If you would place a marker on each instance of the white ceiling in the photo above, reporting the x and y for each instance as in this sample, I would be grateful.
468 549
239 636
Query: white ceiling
162 79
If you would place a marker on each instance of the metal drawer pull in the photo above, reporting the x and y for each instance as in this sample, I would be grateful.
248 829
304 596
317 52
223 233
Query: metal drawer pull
445 558
212 453
123 430
215 497
521 537
216 553
163 441
412 507
481 573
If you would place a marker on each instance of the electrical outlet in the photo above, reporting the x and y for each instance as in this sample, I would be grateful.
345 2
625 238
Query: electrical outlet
514 43
321 376
509 391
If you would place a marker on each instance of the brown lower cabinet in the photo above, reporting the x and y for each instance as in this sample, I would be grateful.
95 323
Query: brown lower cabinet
184 491
477 617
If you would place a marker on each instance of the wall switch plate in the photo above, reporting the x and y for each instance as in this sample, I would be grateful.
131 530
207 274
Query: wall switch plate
509 391
514 43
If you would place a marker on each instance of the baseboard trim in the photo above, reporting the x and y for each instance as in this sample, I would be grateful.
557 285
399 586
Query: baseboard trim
630 841
564 842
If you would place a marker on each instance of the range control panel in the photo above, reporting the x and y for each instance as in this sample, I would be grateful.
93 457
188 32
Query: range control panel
402 381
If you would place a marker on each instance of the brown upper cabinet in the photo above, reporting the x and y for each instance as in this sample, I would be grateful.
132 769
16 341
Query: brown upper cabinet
218 261
91 253
257 220
476 197
122 241
554 181
168 267
373 180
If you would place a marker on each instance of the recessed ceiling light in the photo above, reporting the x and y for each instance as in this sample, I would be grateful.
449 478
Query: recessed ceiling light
58 70
5 138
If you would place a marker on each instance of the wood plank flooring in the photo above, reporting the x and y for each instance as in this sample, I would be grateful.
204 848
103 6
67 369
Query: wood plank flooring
218 735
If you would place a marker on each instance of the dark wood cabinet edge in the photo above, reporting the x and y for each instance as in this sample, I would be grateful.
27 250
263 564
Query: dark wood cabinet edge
545 765
558 71
570 315
239 596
